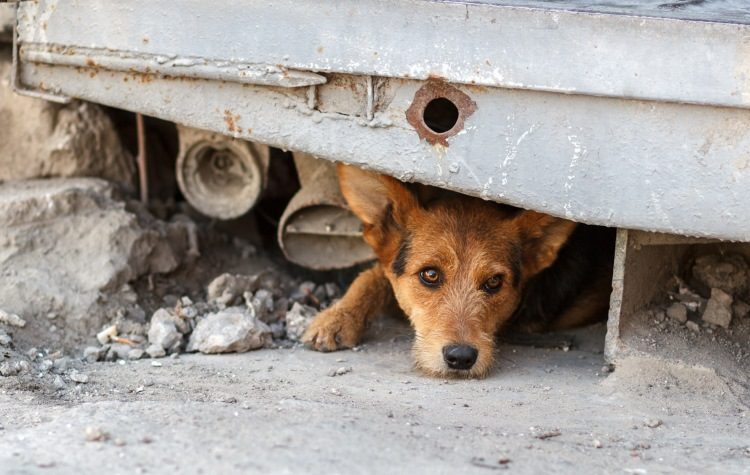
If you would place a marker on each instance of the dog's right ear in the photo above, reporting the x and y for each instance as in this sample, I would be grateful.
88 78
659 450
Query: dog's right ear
376 199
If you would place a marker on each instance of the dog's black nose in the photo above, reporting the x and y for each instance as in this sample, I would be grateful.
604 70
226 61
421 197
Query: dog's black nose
460 356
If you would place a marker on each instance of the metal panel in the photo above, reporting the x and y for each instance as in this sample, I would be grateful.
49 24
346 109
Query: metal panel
653 165
482 44
676 168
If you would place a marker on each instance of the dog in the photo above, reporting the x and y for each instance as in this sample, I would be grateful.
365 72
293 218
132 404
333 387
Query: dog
463 269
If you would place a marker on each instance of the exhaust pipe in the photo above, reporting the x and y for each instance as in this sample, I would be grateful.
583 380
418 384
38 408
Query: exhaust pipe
220 176
317 230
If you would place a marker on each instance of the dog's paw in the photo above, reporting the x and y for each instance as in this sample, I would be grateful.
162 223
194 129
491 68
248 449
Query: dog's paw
333 330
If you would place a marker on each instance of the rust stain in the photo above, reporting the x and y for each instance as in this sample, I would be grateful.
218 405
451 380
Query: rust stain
320 49
231 120
434 90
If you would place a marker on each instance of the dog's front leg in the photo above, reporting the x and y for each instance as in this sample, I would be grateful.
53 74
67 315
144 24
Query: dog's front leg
342 325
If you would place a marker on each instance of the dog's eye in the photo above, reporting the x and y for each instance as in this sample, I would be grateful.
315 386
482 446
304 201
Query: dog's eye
430 277
493 284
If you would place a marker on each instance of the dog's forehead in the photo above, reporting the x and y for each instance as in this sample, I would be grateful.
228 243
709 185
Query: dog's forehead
465 229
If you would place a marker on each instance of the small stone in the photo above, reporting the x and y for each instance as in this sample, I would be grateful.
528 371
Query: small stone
135 354
95 434
692 326
118 351
156 351
156 364
61 364
12 368
298 319
45 366
262 304
335 392
58 382
598 444
119 442
163 330
340 371
652 423
740 309
543 434
719 308
678 312
5 339
186 301
107 334
230 330
11 319
77 377
228 288
92 354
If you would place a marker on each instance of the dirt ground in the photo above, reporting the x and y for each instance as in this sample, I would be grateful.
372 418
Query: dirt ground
544 410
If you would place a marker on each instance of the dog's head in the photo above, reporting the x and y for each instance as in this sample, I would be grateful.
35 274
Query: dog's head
457 266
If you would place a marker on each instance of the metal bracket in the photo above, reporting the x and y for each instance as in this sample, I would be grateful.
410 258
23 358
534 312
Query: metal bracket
18 88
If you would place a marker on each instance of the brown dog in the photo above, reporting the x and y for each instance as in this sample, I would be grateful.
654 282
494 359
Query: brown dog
462 269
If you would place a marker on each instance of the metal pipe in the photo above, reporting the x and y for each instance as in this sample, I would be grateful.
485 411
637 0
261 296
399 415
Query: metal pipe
317 230
220 176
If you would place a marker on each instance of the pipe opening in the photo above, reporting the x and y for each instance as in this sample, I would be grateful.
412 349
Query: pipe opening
440 115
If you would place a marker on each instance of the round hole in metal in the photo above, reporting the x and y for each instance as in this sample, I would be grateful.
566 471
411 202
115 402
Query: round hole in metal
440 115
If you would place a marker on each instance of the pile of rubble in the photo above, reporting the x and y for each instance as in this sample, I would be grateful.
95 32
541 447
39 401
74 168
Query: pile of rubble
718 294
710 303
240 313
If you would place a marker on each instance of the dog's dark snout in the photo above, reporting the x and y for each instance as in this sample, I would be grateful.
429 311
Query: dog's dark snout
460 356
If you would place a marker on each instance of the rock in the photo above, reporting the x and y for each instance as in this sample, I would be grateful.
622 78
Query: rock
652 423
298 319
5 339
69 246
227 331
156 351
163 331
228 288
135 354
692 326
262 305
719 308
77 377
340 371
92 354
118 351
678 312
45 366
61 364
728 272
106 335
58 382
12 368
12 319
43 139
740 309
95 434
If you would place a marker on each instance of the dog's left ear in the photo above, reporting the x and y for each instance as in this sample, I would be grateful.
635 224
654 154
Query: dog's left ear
542 237
376 199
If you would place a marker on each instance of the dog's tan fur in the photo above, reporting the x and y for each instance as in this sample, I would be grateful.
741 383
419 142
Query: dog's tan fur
468 241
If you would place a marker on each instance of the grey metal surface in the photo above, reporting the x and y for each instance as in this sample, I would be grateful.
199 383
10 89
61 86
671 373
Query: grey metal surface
654 165
559 51
729 11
